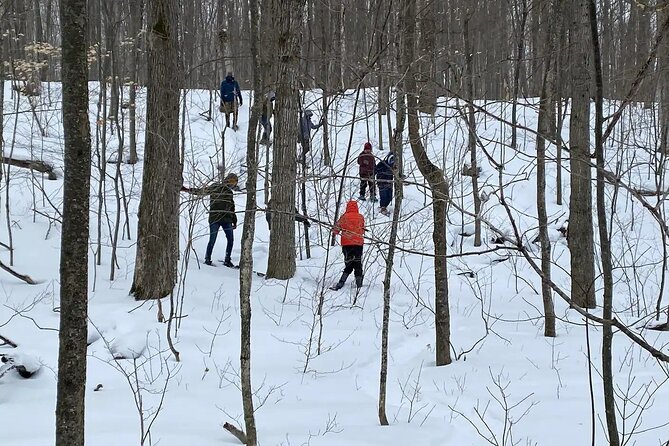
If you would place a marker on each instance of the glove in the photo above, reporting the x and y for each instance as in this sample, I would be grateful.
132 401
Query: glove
234 226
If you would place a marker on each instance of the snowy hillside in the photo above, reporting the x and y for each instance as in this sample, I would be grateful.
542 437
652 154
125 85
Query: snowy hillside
509 384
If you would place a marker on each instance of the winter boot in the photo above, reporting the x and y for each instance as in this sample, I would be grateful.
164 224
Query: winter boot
207 262
358 282
384 211
227 262
339 285
362 197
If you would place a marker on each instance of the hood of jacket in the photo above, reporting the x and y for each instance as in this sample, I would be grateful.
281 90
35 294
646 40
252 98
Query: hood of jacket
352 206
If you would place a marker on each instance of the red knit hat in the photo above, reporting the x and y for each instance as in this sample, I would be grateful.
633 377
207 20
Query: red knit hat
368 146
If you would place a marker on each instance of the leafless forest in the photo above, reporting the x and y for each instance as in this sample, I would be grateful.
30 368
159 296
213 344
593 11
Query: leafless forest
596 72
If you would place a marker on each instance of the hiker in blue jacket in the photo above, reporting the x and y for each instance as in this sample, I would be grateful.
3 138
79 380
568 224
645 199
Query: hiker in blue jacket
384 180
230 94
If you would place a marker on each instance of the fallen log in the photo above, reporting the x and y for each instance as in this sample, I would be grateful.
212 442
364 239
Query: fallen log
238 433
37 165
27 279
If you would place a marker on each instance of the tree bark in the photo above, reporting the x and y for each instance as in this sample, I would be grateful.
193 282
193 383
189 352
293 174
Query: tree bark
604 241
581 239
156 262
471 125
438 187
246 255
543 129
396 149
73 333
287 25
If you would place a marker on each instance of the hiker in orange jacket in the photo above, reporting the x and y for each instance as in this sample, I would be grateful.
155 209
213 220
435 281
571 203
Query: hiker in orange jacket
351 226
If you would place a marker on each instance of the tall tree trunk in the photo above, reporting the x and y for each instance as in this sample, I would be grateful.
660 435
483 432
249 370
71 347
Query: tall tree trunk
543 128
246 255
663 85
438 187
73 332
471 124
156 263
396 149
581 239
604 241
427 96
287 26
136 14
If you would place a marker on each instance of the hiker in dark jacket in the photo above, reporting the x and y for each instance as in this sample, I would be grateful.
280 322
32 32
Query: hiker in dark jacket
298 217
266 114
306 126
367 163
221 214
230 94
384 179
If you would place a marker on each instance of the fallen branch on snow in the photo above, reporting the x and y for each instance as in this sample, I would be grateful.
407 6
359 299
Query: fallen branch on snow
7 341
37 165
238 433
27 279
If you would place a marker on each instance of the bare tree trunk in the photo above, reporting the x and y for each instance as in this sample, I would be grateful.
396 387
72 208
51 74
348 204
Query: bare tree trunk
287 23
471 125
396 149
581 239
156 263
438 187
136 14
73 332
246 255
520 54
604 241
427 96
543 128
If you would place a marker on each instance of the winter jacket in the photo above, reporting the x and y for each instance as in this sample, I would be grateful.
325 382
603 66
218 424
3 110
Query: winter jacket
384 172
366 162
351 225
230 89
306 126
221 203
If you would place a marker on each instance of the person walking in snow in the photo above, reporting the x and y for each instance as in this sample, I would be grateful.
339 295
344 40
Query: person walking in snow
366 164
221 214
306 126
230 94
384 179
266 114
351 226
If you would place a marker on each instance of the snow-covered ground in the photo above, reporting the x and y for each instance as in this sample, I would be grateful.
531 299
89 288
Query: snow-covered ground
507 382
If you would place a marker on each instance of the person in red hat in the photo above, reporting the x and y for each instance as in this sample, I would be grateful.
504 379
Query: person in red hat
351 226
367 162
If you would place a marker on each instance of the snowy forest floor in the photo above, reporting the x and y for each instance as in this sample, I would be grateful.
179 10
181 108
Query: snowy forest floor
507 385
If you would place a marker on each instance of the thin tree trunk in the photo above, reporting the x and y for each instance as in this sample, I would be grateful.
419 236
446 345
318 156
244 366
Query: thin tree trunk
246 255
604 242
471 126
137 11
73 332
543 127
156 263
396 149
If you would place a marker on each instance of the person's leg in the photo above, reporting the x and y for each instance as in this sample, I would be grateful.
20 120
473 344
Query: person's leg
384 197
372 188
264 122
230 237
213 233
347 268
363 187
358 266
235 113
